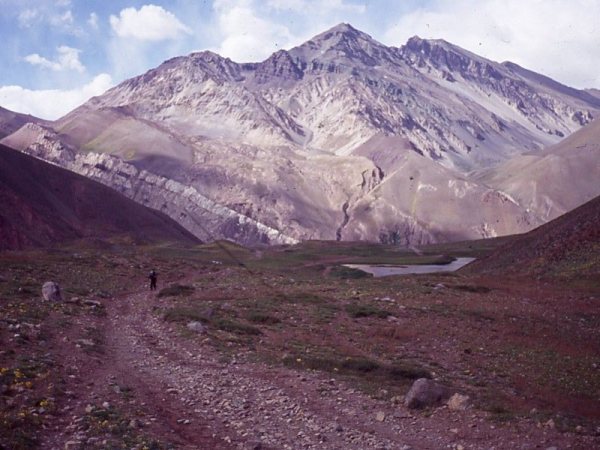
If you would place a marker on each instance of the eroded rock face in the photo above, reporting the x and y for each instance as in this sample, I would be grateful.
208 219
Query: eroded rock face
424 393
342 89
285 197
200 215
339 138
51 291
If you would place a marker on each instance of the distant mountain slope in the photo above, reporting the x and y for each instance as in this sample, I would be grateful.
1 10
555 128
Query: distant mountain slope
11 121
555 180
567 246
43 204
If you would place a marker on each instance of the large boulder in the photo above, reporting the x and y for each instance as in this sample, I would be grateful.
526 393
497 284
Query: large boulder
425 393
198 327
459 402
51 291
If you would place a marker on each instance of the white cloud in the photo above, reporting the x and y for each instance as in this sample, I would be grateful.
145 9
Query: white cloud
245 35
51 13
315 6
293 5
65 20
28 17
54 103
68 59
559 38
93 20
251 30
149 23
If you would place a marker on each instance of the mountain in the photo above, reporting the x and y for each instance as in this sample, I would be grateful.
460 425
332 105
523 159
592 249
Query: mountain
568 246
554 180
341 137
338 91
11 121
594 92
43 204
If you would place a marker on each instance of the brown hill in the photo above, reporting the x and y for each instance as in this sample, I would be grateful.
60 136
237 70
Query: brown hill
11 121
44 204
555 180
568 246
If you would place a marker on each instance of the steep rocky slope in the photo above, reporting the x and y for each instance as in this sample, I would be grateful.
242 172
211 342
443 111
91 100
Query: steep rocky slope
43 204
342 88
567 246
286 197
197 213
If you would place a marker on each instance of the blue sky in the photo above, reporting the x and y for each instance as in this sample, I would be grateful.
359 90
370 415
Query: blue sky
58 53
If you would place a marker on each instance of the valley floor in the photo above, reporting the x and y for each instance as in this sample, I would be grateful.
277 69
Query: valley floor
287 359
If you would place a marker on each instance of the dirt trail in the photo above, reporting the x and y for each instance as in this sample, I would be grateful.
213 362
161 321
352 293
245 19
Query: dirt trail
196 398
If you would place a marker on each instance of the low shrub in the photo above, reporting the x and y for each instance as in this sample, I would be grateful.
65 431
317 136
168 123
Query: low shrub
263 318
348 273
357 310
233 326
470 288
176 290
359 366
181 314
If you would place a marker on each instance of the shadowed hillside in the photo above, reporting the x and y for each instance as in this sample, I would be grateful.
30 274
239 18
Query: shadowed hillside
11 121
568 246
43 204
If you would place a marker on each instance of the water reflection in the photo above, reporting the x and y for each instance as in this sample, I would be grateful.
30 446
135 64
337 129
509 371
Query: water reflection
386 270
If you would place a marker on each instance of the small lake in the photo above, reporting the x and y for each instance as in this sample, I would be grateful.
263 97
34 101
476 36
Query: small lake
386 270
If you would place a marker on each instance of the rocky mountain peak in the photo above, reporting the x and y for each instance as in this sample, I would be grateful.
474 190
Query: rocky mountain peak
279 65
339 32
341 47
441 55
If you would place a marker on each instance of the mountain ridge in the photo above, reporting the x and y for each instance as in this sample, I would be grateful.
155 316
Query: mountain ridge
290 142
294 121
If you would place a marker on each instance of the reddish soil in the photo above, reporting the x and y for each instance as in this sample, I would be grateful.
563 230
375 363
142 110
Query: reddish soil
124 377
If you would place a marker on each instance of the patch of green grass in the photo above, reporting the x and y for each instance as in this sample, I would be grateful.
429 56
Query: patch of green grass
357 310
477 314
233 326
176 290
500 413
325 313
470 288
182 314
348 273
565 374
364 368
20 424
362 365
406 371
114 426
302 298
263 318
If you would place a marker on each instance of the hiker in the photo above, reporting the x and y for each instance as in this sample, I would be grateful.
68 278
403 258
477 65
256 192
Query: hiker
152 277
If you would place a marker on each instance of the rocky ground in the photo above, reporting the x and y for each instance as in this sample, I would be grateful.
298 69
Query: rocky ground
287 359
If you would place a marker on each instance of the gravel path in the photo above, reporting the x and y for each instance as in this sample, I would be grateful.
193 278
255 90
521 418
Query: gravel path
209 401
